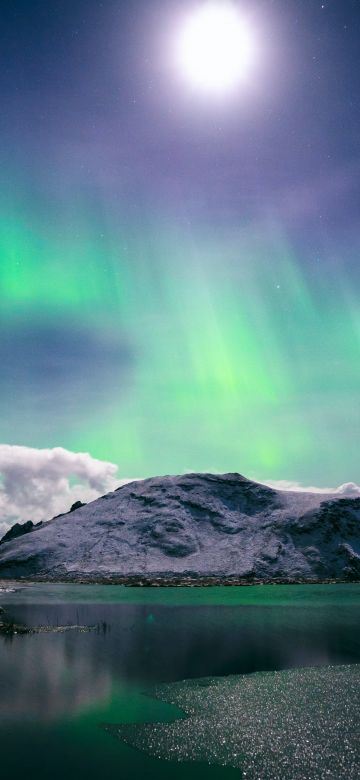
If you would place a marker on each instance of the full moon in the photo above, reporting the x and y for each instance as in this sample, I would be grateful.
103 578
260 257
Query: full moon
215 47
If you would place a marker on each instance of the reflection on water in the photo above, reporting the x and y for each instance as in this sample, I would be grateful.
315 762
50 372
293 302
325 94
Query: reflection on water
136 645
64 685
44 679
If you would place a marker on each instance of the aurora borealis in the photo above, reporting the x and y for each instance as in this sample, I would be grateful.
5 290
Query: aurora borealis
179 280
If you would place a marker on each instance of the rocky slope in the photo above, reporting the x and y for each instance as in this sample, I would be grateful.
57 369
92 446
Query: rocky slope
199 526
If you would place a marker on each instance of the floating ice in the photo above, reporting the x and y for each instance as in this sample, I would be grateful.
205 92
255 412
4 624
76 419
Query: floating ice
301 724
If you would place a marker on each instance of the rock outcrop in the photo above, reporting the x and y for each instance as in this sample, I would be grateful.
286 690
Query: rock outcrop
19 529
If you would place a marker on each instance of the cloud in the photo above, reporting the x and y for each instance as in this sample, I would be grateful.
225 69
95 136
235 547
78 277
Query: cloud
37 484
349 489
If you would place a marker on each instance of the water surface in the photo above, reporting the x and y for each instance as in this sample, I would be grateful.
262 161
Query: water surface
56 689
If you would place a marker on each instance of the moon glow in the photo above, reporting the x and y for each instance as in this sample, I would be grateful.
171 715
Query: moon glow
215 48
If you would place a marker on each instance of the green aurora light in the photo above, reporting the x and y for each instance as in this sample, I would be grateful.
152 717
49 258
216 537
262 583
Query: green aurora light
240 357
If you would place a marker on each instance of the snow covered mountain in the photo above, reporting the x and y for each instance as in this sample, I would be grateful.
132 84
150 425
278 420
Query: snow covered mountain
196 525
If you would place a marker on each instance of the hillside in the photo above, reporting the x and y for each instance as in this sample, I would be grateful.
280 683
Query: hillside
196 525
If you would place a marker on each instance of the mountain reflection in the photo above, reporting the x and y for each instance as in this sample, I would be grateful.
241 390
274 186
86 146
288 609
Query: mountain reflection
44 676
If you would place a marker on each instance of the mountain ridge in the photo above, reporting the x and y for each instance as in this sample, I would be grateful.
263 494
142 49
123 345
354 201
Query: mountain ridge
195 526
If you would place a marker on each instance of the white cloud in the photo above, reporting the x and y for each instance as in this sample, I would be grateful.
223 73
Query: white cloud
39 484
349 489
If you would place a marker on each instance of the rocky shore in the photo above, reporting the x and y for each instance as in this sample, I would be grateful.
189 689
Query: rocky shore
176 582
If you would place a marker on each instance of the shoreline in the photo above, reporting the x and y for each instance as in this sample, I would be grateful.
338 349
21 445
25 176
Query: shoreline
166 582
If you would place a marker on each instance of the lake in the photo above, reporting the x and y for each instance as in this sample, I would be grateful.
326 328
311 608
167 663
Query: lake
57 689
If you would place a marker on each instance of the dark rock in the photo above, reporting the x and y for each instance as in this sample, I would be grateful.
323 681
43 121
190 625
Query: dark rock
17 530
76 505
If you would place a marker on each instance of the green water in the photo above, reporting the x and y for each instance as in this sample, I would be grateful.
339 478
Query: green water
254 595
57 689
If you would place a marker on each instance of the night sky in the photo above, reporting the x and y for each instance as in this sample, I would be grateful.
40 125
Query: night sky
179 271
